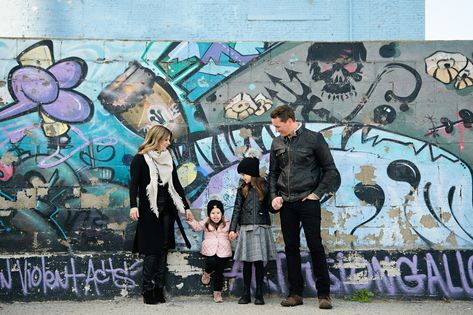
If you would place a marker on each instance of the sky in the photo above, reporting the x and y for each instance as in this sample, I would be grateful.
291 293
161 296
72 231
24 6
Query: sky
448 19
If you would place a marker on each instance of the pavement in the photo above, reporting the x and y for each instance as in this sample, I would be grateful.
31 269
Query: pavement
203 305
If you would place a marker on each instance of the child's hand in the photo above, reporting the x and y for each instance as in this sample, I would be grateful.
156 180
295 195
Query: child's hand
277 203
232 236
189 215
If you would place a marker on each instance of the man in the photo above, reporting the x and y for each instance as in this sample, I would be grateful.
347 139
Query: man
301 172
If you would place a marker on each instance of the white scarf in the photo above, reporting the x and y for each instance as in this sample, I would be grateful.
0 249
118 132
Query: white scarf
161 163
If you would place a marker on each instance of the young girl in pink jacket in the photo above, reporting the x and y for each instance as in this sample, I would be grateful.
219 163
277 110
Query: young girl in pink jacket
216 245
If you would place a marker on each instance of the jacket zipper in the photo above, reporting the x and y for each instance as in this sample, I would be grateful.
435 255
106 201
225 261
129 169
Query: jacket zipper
289 167
254 206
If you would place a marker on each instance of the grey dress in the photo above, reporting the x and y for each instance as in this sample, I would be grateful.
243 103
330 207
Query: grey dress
255 239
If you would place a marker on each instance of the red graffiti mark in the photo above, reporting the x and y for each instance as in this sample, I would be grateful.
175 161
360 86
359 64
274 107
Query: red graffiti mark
460 127
6 172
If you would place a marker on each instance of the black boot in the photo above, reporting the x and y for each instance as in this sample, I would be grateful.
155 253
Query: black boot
160 278
159 294
259 300
246 297
148 297
149 269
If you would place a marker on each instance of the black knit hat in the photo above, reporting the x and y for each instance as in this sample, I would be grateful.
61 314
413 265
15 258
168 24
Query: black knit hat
249 166
214 204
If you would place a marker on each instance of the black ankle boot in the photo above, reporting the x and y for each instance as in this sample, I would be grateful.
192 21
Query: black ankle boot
259 300
148 297
246 297
159 295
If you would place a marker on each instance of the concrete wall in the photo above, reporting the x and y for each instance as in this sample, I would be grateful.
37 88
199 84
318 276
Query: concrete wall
209 20
397 116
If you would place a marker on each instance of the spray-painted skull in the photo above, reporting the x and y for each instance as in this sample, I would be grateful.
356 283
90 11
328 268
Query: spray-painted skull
338 65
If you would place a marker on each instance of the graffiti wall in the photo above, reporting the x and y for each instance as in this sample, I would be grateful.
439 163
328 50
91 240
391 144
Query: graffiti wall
104 276
398 118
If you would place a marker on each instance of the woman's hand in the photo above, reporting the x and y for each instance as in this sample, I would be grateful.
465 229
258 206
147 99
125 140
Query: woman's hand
189 215
134 214
232 236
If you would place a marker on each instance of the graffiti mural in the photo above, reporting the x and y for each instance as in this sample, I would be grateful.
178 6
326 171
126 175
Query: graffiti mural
423 273
397 117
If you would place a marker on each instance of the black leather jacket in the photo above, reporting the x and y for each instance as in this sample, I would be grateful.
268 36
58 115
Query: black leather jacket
250 210
301 165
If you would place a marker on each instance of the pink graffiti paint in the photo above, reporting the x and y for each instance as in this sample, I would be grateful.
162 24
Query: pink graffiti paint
6 172
460 127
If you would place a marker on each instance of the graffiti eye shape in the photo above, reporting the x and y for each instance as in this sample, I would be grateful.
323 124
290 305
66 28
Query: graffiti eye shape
371 194
350 67
446 63
404 171
324 67
445 66
465 77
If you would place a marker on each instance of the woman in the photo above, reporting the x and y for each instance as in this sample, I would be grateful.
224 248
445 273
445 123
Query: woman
155 183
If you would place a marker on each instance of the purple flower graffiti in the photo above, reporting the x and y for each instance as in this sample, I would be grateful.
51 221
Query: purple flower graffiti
50 90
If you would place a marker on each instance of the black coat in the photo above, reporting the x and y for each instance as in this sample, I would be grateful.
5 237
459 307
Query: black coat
250 210
148 237
301 165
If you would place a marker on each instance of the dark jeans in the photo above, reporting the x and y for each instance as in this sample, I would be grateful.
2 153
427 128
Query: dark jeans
307 213
155 265
216 265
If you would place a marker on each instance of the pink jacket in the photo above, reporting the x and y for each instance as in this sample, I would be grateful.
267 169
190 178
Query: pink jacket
216 242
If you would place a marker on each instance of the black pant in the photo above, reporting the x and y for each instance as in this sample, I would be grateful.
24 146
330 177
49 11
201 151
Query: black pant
216 265
307 213
155 265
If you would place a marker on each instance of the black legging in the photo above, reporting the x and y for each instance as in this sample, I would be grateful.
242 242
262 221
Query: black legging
247 271
216 265
155 265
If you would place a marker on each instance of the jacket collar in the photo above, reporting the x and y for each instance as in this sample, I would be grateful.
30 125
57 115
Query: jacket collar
297 132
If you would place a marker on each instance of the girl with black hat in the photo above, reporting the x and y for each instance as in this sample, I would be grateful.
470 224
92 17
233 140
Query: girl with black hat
255 240
216 245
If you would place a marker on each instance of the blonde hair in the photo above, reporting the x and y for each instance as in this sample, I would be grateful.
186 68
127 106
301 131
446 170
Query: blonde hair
154 138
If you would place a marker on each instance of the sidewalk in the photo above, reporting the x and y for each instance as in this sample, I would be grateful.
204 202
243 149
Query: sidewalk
203 305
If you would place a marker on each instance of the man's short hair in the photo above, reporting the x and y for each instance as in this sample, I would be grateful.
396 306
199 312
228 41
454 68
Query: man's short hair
283 112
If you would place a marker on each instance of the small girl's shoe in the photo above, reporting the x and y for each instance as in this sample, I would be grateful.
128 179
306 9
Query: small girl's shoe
205 278
218 297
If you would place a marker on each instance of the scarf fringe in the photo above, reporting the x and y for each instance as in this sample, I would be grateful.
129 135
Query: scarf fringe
152 201
152 188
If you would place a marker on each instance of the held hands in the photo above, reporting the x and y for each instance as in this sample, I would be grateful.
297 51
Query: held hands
189 215
232 236
134 214
277 203
311 196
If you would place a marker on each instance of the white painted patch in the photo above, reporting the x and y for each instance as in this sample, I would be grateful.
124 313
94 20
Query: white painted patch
181 266
124 292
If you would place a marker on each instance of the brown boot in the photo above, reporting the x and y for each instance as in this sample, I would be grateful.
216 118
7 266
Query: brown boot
325 302
292 300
